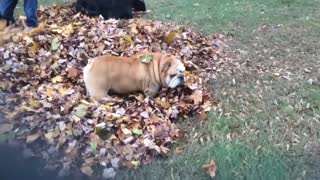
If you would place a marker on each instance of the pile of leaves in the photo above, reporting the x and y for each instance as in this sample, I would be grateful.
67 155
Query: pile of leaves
44 99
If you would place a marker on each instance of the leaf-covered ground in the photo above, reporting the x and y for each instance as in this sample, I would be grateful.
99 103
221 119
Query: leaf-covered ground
43 95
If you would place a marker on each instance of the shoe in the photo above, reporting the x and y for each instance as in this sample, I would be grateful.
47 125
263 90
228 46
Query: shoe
9 21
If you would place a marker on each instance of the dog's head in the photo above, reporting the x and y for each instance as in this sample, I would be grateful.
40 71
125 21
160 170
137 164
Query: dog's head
172 71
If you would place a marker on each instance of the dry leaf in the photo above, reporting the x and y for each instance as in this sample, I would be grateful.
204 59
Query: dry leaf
211 168
35 47
31 138
5 128
72 72
87 170
170 38
57 79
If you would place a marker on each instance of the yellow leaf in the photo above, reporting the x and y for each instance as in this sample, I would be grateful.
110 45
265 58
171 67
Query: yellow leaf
49 136
62 91
134 29
11 115
127 38
170 37
50 92
26 108
35 47
37 31
67 30
57 79
34 103
36 68
107 107
32 137
85 102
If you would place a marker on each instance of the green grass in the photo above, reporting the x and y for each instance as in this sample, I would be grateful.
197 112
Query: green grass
234 161
269 128
230 15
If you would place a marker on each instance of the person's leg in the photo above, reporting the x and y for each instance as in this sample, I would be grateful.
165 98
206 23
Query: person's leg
30 9
7 10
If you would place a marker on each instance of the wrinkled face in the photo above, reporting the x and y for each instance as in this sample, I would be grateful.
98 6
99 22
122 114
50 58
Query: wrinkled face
172 71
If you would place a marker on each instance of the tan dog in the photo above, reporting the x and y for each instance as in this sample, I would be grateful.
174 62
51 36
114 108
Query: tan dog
124 75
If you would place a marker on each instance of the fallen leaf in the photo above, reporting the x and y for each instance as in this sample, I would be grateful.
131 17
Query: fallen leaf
197 97
35 47
72 72
5 128
137 131
31 138
81 110
87 170
211 168
170 37
163 104
179 150
146 58
93 147
49 136
135 163
127 38
67 30
55 43
57 79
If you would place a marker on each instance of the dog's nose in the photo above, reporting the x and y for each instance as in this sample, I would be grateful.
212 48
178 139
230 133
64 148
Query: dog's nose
181 78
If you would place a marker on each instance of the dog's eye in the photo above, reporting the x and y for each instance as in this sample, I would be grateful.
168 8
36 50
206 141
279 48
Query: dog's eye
172 75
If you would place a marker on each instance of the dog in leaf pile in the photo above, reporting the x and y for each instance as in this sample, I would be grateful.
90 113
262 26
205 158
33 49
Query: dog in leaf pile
143 72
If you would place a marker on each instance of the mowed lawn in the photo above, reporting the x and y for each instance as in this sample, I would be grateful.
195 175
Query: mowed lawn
270 125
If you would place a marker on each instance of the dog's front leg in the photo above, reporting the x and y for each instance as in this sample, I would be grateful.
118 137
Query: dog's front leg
152 91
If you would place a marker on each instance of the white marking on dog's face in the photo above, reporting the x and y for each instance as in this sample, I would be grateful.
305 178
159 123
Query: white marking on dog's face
176 75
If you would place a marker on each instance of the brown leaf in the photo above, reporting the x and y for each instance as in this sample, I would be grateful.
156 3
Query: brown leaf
197 97
35 47
163 104
210 168
72 72
170 37
87 170
179 150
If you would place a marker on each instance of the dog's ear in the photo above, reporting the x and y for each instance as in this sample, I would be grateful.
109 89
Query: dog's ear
165 67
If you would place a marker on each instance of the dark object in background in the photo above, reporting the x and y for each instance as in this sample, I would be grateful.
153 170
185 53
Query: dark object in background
119 9
17 164
139 5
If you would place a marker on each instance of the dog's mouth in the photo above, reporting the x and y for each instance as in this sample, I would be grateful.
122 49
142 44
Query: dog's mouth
176 81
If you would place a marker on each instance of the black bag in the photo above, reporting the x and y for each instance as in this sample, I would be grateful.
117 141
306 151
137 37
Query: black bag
119 9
